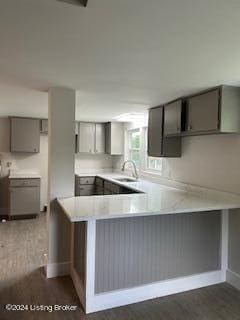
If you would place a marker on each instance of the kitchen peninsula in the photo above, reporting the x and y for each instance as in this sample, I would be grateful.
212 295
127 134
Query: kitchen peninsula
156 241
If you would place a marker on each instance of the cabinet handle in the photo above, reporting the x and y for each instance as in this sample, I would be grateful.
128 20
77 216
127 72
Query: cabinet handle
190 127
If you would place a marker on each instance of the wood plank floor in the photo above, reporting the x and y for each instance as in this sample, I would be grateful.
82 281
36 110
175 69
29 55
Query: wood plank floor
22 281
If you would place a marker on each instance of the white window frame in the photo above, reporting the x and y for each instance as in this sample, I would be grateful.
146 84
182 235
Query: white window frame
129 149
143 161
146 157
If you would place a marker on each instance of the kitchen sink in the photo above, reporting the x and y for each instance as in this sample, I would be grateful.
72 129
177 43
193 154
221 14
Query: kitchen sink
126 180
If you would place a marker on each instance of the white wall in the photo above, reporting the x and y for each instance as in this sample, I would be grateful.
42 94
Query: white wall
35 163
84 163
211 161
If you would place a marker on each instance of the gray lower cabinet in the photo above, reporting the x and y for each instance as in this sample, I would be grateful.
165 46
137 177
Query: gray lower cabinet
84 186
24 197
158 145
24 135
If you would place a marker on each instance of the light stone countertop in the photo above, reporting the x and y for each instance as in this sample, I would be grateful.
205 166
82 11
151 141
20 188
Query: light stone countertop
156 199
24 175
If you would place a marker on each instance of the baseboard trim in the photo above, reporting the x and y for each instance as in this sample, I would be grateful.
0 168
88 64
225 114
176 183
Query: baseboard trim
233 278
119 298
57 269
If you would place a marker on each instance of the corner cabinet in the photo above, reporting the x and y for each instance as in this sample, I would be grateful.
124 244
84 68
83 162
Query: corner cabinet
91 138
158 144
114 138
24 135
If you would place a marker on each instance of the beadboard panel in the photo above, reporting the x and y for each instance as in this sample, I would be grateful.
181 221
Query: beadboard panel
234 240
135 251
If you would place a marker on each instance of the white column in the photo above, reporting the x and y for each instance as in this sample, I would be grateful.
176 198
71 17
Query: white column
61 153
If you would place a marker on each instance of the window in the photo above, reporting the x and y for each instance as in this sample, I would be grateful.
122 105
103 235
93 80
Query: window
154 164
134 146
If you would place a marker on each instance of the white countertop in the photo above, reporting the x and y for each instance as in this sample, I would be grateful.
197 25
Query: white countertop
157 199
24 175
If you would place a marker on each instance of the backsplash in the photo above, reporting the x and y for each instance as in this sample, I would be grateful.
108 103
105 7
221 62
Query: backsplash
87 162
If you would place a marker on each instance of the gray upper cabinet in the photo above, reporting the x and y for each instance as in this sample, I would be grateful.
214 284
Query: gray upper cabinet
158 145
203 112
114 138
155 132
24 135
91 137
100 138
86 137
44 126
173 118
214 111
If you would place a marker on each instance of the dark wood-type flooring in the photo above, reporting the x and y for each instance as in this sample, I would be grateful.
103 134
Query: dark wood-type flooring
22 281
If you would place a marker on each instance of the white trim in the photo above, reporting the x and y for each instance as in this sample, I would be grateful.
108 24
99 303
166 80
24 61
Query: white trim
224 244
57 269
150 291
90 265
233 278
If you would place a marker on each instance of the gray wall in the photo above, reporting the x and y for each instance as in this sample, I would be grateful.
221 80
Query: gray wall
135 251
234 241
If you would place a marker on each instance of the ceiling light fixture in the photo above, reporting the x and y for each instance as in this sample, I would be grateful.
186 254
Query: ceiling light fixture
131 117
76 2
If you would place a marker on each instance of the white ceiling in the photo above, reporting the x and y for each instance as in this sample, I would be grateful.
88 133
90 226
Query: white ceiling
121 55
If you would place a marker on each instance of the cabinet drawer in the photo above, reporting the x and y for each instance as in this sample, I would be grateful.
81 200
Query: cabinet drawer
86 190
87 180
24 182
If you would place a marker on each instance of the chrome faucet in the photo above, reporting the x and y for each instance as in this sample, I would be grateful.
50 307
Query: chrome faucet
134 172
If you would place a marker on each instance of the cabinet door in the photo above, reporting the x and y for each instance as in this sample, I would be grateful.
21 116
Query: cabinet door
24 200
44 126
203 112
86 137
155 126
172 118
25 135
114 138
100 138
